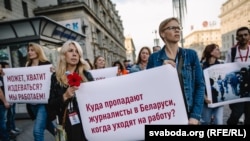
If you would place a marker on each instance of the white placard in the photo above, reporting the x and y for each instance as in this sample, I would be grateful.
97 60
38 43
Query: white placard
27 84
99 74
117 108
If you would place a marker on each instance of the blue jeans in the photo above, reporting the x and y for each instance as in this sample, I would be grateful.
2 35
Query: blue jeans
11 117
207 113
41 122
4 134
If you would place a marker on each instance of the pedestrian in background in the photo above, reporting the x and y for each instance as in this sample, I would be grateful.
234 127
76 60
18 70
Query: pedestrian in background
62 100
188 67
11 125
4 106
127 65
142 60
99 62
156 48
121 68
240 53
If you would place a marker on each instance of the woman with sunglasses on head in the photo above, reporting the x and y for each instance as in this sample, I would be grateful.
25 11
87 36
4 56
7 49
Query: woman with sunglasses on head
187 64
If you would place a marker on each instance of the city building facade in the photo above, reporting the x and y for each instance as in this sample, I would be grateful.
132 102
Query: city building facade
198 39
234 14
95 24
130 47
97 19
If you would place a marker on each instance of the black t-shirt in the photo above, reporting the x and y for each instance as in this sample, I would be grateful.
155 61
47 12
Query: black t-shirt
2 87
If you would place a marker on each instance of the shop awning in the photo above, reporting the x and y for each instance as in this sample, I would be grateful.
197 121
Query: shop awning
36 28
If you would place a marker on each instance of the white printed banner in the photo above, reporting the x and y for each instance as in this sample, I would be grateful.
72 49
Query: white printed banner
27 84
99 74
229 83
117 108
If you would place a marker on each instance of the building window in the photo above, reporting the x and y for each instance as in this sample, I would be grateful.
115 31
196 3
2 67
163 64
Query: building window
7 4
25 9
95 6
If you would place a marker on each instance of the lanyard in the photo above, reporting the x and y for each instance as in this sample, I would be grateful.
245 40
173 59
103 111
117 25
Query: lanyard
241 57
70 105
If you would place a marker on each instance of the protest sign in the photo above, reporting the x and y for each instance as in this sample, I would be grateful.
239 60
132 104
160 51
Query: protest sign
99 74
27 84
228 81
117 108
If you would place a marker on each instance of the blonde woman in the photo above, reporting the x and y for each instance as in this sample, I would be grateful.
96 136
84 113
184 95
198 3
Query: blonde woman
38 112
188 67
62 96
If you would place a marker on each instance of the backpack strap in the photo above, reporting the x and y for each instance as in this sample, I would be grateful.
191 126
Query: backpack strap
233 53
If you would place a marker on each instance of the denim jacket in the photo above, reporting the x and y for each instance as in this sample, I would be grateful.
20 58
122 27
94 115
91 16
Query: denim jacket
135 68
192 76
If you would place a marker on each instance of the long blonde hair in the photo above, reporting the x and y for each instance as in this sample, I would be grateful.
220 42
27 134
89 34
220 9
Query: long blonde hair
40 53
62 64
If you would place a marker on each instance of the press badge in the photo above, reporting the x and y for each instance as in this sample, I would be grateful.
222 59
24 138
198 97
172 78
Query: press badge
74 119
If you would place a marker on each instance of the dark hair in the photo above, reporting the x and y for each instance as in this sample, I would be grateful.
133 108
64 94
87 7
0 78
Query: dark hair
242 28
120 64
156 46
211 81
3 64
90 65
126 60
244 69
206 55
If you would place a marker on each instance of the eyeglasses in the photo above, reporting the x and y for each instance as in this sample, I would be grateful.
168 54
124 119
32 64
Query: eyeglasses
174 28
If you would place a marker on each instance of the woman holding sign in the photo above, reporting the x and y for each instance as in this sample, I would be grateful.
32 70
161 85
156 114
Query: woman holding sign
62 101
188 67
38 112
210 57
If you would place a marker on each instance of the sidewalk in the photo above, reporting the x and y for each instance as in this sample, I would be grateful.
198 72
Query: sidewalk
27 134
27 126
